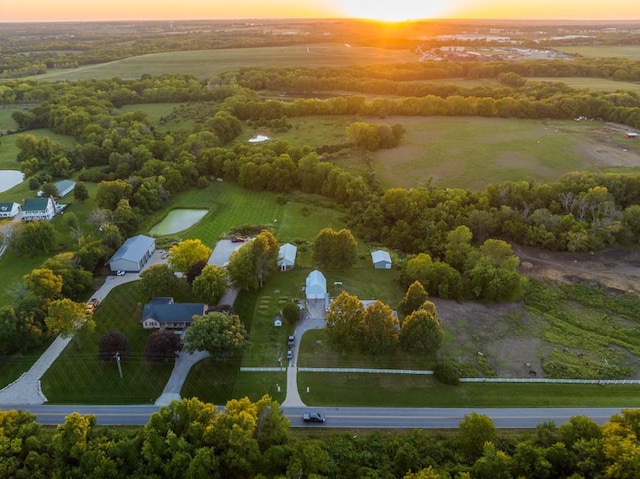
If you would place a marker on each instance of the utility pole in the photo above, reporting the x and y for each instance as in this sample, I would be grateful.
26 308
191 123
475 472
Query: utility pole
117 356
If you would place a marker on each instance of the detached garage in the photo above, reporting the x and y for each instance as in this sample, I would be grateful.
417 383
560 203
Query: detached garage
133 254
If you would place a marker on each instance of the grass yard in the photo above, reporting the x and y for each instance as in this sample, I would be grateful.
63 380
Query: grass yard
218 381
204 64
78 376
330 389
13 366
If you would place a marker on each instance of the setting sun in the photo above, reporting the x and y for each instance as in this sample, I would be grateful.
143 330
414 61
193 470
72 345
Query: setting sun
395 10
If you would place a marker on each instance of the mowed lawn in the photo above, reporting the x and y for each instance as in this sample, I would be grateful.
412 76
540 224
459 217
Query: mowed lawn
205 64
231 206
604 51
78 376
353 389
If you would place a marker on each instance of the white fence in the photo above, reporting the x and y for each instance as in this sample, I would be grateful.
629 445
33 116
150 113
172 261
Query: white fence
462 380
363 370
550 381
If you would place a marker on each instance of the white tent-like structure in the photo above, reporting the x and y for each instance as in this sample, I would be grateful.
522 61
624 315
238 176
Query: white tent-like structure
316 286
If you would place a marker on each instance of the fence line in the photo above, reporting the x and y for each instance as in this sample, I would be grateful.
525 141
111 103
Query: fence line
263 369
462 380
550 381
365 370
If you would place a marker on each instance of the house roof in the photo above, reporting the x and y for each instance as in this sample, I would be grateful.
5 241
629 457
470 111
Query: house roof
35 204
7 206
287 252
134 249
64 185
316 280
169 312
380 255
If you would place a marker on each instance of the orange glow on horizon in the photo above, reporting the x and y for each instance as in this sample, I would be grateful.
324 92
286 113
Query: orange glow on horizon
388 10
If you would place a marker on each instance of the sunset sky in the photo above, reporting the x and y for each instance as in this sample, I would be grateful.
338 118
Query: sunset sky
392 10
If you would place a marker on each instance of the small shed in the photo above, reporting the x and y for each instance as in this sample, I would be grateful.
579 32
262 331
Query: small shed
133 254
9 210
287 256
65 187
381 259
316 286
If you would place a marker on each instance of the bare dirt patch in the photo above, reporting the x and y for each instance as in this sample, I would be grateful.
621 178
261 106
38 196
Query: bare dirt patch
504 339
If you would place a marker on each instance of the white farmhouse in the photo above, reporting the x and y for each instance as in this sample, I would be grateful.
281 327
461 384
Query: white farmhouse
9 210
38 209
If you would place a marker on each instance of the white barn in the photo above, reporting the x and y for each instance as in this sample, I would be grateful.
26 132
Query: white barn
287 256
381 259
133 254
9 210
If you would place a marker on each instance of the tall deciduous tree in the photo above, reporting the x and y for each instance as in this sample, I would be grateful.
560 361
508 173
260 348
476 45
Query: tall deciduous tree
344 317
421 331
494 275
211 284
413 298
335 249
474 431
43 283
109 193
162 345
111 343
251 264
33 238
221 334
65 317
378 330
159 280
185 254
80 193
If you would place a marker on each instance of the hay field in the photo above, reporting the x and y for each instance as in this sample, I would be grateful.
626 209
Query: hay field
205 64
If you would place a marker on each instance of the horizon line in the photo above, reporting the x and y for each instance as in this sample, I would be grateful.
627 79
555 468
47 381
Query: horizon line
372 20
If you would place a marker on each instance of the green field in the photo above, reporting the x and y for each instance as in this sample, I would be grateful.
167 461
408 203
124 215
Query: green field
470 152
205 64
604 51
588 83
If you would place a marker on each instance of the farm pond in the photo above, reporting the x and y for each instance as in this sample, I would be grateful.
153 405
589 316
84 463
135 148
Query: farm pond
178 220
9 179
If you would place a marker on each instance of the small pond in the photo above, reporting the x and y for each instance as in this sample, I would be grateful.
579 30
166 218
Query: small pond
259 139
177 220
9 179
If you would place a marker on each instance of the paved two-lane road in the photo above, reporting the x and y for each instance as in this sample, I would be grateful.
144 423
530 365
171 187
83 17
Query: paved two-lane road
347 417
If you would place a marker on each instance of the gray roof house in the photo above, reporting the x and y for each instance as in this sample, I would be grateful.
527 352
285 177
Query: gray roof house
287 256
133 254
9 210
164 313
65 187
381 259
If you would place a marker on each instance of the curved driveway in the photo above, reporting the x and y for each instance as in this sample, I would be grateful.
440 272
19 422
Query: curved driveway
26 389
